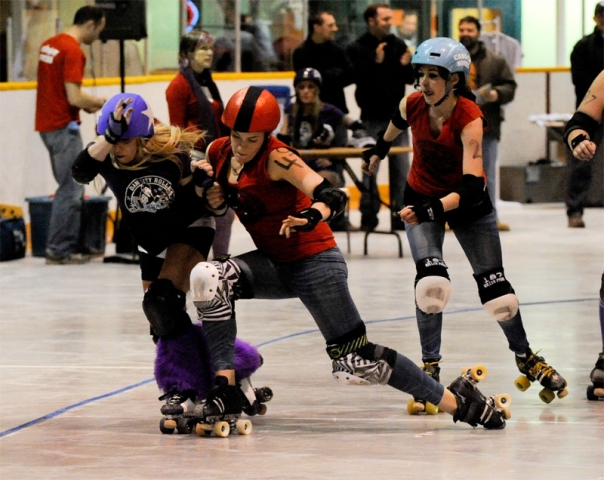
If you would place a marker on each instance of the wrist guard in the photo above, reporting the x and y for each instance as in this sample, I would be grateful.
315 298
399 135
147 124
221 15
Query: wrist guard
429 211
580 121
312 215
115 129
201 178
577 140
381 149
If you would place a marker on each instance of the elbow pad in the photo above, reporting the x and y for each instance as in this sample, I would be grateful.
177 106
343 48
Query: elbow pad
398 121
580 121
334 198
471 192
85 168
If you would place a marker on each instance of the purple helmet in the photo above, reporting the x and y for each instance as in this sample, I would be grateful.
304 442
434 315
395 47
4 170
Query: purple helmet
141 121
308 74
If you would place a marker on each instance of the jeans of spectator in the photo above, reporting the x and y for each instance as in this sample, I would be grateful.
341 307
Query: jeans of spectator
480 242
64 145
489 163
321 283
398 169
578 182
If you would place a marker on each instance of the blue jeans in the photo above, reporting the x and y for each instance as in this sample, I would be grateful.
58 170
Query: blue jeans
398 169
64 145
321 283
480 242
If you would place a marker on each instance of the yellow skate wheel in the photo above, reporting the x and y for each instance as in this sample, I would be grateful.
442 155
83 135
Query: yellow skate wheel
221 429
562 393
413 407
546 395
167 426
506 413
503 400
522 383
599 392
203 429
431 409
263 409
478 373
244 427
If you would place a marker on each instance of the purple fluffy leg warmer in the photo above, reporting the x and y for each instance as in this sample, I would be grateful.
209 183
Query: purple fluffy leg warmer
184 363
247 360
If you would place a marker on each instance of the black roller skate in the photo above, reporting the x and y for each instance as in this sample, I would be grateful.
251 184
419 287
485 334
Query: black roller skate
254 399
533 367
178 411
596 391
220 413
473 407
418 405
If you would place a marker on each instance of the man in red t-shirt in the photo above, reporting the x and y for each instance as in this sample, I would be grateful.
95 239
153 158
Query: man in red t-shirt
58 103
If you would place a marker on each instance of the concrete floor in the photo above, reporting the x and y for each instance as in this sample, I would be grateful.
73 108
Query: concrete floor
78 398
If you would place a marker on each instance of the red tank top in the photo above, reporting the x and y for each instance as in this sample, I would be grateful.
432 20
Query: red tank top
437 167
262 204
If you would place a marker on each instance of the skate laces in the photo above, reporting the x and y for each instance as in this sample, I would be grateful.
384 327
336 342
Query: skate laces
174 398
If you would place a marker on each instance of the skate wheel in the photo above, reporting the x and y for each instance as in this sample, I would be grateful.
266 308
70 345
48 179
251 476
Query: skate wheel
167 426
413 407
503 400
522 383
264 394
478 373
244 427
506 413
221 429
262 409
599 392
203 429
431 409
562 393
183 425
546 395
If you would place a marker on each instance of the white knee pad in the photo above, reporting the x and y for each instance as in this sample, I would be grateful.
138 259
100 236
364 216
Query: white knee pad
432 293
205 279
503 308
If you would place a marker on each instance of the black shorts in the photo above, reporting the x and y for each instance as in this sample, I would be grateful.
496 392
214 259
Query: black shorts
200 238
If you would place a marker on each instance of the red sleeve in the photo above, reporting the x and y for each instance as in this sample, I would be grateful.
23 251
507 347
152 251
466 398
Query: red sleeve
74 65
177 98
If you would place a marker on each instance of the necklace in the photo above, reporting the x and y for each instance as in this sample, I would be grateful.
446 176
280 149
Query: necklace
236 171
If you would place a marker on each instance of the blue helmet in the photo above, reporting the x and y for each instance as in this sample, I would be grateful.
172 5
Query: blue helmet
141 121
311 74
443 52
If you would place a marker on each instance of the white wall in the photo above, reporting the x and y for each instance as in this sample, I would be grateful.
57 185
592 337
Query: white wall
25 166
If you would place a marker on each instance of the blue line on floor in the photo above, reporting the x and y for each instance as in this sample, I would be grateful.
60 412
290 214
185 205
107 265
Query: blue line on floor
263 344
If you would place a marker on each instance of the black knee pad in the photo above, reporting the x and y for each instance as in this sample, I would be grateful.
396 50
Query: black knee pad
496 294
164 307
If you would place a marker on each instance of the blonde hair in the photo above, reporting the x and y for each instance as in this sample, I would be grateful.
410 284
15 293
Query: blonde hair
167 143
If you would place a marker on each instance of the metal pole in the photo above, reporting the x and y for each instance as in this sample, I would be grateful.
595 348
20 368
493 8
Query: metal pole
238 36
560 32
10 54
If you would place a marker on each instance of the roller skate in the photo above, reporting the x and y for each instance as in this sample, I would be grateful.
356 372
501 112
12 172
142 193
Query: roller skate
179 412
220 413
417 405
473 407
533 367
596 391
254 399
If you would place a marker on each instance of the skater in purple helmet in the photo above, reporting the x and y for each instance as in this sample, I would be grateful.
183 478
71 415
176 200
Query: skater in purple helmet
447 184
147 167
284 204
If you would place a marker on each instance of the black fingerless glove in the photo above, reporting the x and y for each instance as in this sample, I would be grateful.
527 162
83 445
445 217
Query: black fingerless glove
381 149
115 129
312 215
429 211
201 178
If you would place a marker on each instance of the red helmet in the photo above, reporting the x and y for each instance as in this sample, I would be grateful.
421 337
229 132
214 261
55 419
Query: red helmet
252 109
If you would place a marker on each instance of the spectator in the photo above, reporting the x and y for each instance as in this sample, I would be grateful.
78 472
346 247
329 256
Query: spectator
382 67
194 102
407 30
492 81
58 102
586 62
319 51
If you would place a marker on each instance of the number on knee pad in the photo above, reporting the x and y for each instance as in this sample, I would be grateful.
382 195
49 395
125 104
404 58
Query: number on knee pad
497 295
432 285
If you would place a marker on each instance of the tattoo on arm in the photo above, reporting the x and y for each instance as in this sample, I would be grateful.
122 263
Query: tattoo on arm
589 97
287 159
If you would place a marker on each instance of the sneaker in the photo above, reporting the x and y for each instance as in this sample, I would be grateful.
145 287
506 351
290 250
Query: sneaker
71 259
575 220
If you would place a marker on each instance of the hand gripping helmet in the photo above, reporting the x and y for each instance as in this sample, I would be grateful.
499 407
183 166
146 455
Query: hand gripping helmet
141 121
443 52
252 109
308 74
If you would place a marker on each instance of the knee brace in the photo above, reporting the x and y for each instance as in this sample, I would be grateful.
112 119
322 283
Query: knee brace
496 294
357 361
215 286
432 285
164 307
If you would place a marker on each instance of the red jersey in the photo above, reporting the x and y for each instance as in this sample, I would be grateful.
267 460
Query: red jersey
262 204
437 167
61 60
184 110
